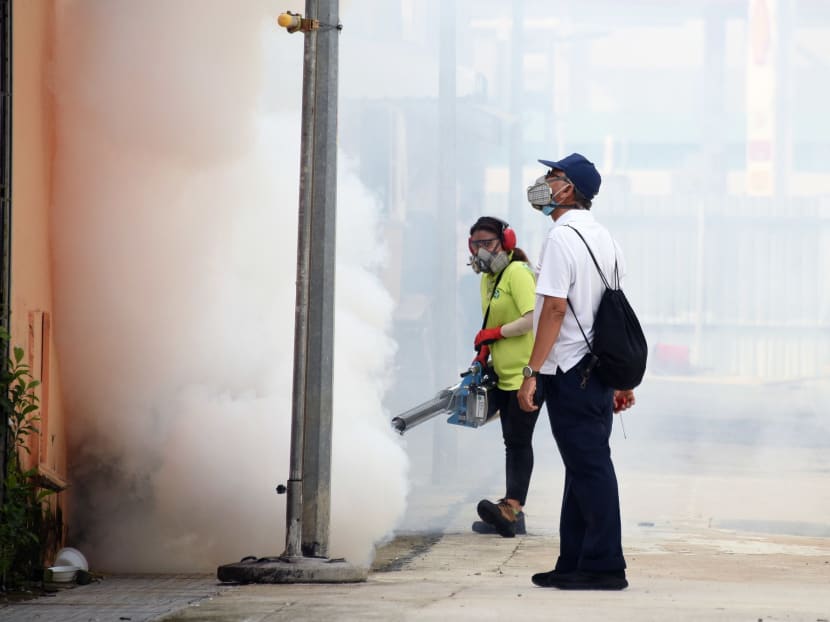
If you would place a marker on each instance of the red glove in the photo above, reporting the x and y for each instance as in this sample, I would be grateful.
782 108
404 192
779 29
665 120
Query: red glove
486 336
483 355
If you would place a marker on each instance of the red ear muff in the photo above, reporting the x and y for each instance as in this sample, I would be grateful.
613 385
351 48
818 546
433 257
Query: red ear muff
508 239
507 235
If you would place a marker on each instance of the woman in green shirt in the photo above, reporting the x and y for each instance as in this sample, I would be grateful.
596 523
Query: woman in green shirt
508 294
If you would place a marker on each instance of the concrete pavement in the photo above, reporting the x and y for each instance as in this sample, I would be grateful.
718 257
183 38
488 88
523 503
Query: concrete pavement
702 574
717 525
676 572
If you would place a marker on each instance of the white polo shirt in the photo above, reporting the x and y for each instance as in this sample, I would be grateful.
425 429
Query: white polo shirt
566 270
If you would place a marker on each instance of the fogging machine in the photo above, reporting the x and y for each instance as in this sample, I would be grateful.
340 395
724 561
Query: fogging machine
469 403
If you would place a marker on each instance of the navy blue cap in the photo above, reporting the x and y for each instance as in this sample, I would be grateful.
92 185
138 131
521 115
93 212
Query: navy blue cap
580 171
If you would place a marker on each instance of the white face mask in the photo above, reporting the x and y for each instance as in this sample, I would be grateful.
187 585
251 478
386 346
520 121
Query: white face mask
485 261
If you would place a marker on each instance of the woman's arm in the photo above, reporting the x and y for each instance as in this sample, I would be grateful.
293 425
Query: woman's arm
518 327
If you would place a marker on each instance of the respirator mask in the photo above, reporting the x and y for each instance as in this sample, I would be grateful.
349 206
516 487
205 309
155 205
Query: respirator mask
542 198
485 261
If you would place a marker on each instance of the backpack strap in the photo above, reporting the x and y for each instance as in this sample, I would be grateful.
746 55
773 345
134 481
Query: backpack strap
493 293
596 263
604 281
586 373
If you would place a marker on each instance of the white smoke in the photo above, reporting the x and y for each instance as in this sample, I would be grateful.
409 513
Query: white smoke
175 252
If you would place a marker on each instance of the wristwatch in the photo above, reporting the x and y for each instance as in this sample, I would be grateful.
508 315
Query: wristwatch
529 372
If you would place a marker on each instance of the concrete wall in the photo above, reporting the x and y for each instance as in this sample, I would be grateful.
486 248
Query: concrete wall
31 280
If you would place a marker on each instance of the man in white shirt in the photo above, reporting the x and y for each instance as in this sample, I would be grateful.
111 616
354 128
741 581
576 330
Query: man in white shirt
580 406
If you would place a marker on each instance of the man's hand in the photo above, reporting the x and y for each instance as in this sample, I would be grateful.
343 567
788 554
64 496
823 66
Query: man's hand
483 355
527 393
623 400
486 336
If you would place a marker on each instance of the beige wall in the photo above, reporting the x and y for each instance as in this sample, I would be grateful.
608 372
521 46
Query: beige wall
31 288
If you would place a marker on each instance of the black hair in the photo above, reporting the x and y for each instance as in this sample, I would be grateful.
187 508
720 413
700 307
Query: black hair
519 255
489 223
497 226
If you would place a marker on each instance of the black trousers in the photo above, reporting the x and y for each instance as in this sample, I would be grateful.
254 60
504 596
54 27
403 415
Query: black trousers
589 523
517 428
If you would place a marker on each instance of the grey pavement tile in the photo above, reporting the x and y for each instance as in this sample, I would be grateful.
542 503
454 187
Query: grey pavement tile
121 598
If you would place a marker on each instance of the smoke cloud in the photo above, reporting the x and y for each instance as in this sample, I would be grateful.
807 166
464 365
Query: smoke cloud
175 233
175 252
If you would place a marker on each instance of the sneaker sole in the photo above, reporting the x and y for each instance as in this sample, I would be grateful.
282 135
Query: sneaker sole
481 527
593 586
565 581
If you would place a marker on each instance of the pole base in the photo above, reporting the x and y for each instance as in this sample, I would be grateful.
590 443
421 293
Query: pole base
291 570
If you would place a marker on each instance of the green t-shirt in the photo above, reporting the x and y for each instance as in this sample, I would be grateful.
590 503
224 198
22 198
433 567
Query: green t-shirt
515 296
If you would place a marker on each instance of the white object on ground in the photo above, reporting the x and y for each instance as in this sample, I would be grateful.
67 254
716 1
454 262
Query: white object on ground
63 574
68 556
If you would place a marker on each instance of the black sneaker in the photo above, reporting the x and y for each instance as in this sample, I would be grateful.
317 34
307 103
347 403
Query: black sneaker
480 526
500 515
547 579
581 580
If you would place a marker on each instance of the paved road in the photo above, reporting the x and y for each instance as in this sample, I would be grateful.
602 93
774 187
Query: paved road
684 572
721 522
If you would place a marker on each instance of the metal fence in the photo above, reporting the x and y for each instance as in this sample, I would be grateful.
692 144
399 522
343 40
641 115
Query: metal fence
730 286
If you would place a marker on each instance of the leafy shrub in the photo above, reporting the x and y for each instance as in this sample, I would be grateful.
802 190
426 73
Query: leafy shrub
22 514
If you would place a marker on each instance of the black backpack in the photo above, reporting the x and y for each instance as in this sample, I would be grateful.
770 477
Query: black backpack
619 349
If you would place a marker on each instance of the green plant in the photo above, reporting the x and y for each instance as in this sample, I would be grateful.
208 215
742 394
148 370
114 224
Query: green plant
22 513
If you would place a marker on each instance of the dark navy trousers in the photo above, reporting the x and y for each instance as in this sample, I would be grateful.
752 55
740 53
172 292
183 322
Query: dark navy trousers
589 523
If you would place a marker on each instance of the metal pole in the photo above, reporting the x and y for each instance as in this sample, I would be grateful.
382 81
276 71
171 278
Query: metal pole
444 315
714 100
309 484
784 72
294 500
320 334
515 206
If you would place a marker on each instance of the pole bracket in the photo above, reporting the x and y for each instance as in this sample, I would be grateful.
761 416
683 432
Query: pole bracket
295 22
